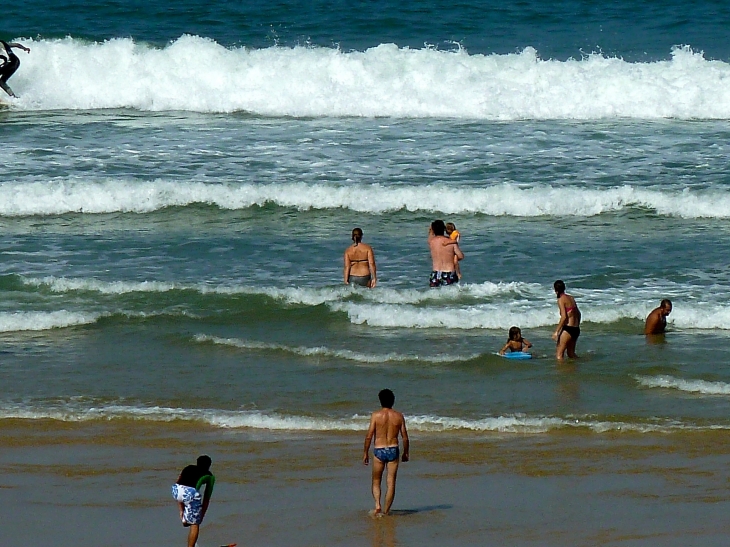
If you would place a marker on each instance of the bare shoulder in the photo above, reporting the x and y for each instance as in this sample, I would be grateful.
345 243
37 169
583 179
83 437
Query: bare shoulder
398 416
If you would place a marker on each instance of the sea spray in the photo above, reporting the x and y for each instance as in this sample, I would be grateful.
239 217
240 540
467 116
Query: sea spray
382 81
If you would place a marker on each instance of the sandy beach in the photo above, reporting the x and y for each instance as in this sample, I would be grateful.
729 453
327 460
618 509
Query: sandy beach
108 484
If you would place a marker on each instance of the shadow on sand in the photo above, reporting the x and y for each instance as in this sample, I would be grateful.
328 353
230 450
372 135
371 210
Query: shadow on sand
416 510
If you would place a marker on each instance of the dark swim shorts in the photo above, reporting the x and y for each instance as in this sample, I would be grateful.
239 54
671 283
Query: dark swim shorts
388 454
442 278
361 280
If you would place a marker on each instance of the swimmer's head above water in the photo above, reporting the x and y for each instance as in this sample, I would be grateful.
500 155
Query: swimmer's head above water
357 235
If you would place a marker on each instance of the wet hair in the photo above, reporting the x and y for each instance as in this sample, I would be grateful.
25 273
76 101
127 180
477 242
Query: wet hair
666 303
559 286
387 398
357 235
450 227
204 462
438 227
515 333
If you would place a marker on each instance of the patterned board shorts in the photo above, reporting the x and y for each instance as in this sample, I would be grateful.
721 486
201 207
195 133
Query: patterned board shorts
436 279
193 504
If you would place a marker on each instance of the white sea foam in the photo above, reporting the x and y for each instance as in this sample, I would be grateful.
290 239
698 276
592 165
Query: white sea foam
322 351
311 296
37 321
482 316
702 387
381 81
229 419
71 195
470 306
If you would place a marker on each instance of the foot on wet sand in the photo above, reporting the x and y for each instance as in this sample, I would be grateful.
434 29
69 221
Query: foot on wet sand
375 513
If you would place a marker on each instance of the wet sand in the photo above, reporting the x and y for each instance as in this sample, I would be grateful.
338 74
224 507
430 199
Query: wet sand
109 484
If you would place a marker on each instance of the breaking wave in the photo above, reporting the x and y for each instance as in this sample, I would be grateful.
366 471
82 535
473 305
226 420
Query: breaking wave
701 387
382 81
60 196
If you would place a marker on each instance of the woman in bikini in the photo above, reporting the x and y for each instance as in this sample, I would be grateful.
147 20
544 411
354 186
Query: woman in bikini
360 262
568 330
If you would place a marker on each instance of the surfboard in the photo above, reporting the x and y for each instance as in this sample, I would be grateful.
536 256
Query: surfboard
517 355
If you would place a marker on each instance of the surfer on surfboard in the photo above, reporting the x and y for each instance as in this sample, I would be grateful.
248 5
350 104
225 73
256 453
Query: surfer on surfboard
10 64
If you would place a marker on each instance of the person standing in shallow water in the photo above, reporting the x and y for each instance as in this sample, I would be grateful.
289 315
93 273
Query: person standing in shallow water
656 321
360 262
385 426
10 64
186 492
445 254
568 330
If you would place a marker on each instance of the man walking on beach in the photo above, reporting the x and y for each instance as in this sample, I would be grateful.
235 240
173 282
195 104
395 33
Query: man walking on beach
186 492
445 254
385 426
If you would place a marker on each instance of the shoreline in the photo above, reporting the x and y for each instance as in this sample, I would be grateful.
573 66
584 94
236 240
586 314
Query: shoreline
88 481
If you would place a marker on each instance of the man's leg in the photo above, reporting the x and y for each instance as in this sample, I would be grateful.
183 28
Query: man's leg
378 467
193 534
6 88
390 480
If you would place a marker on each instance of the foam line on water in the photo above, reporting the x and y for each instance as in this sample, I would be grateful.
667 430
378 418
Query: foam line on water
701 387
311 296
96 196
272 421
382 81
323 351
38 321
485 305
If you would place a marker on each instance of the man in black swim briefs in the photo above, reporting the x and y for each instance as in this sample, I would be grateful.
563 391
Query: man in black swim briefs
443 252
10 64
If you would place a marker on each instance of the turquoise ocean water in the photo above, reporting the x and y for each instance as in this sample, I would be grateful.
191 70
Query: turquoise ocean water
180 183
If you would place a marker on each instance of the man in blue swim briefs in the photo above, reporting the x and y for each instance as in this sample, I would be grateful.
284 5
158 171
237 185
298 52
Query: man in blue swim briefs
186 492
444 253
385 426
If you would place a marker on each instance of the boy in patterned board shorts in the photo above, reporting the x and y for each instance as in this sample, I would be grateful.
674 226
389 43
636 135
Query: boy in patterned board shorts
186 492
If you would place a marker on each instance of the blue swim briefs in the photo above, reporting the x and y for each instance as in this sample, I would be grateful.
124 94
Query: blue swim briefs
388 454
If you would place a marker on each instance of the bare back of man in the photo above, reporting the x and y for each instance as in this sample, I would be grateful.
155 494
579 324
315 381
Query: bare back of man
445 253
386 425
